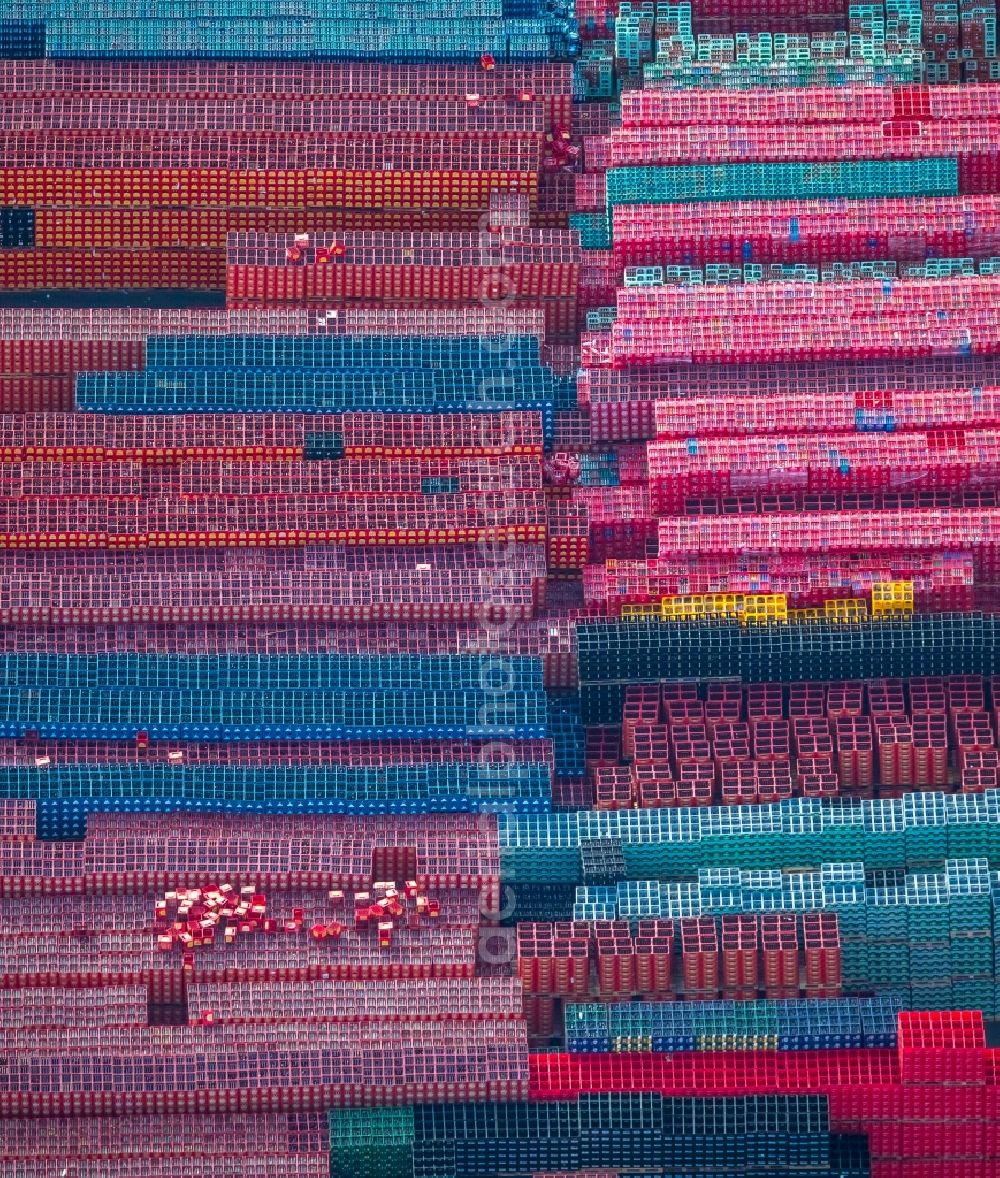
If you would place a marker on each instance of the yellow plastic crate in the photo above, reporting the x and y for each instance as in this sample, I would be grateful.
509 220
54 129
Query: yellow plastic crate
846 609
641 612
764 609
892 597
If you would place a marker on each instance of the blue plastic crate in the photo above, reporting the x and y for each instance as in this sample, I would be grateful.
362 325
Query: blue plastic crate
328 788
22 39
391 390
230 715
319 351
318 672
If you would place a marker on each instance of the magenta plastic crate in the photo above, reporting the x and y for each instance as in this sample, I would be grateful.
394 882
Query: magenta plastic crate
920 529
427 1043
213 1164
902 297
289 79
821 462
822 412
446 950
461 518
940 579
31 1011
49 913
360 753
861 104
784 231
794 321
324 1000
448 847
135 323
17 820
973 138
113 1138
293 477
591 194
620 521
256 151
278 117
552 638
251 436
436 267
619 402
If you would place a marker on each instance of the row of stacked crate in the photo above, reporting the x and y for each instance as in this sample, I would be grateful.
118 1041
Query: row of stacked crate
682 45
930 934
527 267
521 30
326 967
125 864
665 843
614 653
113 189
778 953
621 401
43 350
272 698
593 1132
586 1134
764 742
775 1024
251 629
748 1113
929 1098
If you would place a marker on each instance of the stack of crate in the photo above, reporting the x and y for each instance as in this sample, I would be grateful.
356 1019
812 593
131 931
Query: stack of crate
136 175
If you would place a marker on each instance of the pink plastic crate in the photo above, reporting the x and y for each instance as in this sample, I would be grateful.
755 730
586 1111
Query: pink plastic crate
833 531
790 321
119 324
290 79
551 638
818 413
973 138
256 437
864 463
789 231
114 1138
425 115
939 578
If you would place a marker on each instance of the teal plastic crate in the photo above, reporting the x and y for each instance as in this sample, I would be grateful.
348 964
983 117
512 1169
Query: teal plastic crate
855 179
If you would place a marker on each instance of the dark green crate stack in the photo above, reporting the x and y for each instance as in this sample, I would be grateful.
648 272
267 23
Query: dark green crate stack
371 1143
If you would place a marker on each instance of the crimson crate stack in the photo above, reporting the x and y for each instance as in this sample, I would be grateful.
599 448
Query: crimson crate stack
815 739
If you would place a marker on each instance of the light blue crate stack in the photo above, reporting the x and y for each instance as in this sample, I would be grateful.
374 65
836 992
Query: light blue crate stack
416 31
853 179
674 844
931 936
